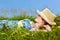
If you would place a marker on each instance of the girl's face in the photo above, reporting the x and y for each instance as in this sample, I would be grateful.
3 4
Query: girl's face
40 20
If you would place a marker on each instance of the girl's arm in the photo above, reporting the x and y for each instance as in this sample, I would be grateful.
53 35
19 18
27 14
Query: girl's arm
47 27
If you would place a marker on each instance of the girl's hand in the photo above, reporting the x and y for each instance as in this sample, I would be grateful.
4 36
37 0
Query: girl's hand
47 27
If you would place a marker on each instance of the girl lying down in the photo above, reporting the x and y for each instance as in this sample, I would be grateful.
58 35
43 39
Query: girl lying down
39 23
43 20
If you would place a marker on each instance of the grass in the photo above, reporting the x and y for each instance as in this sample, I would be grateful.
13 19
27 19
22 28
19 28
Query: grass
16 33
24 34
20 17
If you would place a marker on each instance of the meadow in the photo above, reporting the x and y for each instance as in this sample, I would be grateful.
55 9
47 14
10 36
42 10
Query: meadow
15 33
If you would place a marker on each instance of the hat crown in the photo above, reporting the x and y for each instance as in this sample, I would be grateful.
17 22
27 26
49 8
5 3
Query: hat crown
49 14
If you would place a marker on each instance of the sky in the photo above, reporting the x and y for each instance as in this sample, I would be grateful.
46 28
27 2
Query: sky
53 5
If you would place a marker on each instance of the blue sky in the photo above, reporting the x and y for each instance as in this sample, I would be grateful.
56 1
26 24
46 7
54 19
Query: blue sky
53 5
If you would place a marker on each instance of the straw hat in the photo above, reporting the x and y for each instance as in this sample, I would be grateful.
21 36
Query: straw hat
47 15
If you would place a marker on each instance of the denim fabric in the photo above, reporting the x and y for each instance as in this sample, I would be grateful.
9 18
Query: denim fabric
9 23
26 24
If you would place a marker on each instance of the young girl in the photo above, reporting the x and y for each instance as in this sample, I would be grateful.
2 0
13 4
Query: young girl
44 20
39 22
